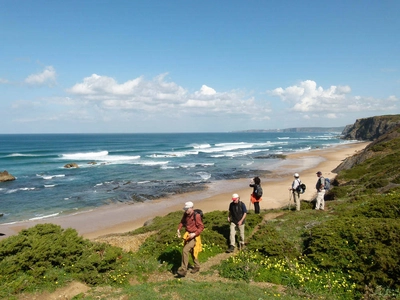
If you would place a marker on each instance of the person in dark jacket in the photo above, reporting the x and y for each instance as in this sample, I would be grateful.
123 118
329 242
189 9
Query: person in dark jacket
194 226
255 197
236 217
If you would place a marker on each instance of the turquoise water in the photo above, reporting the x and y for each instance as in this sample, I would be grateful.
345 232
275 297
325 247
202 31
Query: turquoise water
131 167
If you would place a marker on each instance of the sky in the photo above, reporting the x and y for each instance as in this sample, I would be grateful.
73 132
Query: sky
143 66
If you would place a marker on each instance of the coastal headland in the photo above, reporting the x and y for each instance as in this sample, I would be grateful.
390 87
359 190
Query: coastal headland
120 218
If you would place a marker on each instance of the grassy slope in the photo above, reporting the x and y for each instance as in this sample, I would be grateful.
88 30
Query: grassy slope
358 235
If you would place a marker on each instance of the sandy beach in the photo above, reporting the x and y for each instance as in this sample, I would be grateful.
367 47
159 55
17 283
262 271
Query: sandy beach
120 218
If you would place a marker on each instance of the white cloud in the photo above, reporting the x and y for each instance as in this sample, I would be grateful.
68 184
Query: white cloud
3 81
307 97
205 90
47 77
160 95
126 95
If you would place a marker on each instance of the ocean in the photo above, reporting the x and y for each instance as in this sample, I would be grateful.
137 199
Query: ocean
132 167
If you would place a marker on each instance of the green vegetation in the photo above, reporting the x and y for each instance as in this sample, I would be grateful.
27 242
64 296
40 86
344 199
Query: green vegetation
349 251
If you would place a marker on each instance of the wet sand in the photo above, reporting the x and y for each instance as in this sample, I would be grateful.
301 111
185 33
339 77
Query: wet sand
120 218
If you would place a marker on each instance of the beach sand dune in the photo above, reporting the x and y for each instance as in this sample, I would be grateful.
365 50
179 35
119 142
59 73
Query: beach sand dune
120 218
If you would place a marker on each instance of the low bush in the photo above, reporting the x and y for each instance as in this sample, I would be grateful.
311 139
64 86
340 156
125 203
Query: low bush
368 249
47 254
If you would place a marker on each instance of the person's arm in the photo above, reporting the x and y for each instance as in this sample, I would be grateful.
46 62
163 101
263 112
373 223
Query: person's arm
242 219
180 227
322 181
244 209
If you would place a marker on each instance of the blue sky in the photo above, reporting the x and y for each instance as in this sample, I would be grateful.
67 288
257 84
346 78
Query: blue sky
195 66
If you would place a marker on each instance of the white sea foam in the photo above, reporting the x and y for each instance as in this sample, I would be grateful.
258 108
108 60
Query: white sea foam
27 189
43 217
20 189
102 156
48 177
85 156
188 165
165 167
151 163
21 155
204 175
174 154
200 146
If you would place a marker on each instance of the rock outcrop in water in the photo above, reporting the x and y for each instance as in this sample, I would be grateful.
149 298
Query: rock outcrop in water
71 165
5 176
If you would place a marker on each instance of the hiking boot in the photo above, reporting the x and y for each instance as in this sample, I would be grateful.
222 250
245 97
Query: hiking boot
195 270
231 249
242 247
181 272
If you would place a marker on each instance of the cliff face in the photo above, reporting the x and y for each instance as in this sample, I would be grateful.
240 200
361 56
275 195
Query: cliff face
370 129
378 145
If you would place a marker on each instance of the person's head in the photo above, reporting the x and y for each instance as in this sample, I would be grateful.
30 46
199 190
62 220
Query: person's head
319 173
257 180
296 175
188 208
235 198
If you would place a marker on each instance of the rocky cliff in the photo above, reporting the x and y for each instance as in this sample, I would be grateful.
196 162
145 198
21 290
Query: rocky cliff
378 145
369 129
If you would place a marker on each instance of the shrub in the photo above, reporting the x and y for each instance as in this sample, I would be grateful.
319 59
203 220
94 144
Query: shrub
366 248
269 242
46 253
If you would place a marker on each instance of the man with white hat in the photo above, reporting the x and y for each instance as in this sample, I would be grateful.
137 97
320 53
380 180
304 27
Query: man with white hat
236 217
194 226
295 191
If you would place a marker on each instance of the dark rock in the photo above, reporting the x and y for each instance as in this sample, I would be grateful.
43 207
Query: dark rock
5 176
71 165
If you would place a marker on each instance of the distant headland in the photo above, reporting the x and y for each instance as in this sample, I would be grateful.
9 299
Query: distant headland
299 129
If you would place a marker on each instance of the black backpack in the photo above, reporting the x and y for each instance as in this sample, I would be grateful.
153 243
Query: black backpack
258 192
301 188
198 211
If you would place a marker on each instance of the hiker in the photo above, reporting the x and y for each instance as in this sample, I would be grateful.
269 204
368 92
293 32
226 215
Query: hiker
295 191
236 217
320 186
255 197
194 226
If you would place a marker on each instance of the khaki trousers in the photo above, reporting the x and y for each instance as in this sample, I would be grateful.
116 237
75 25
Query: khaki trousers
188 248
296 198
233 234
